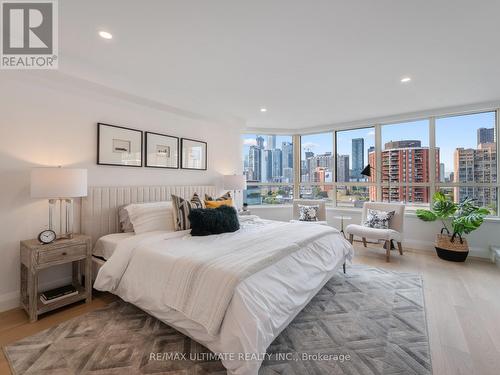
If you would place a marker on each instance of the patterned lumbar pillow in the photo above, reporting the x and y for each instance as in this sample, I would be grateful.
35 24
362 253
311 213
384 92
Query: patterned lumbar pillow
308 213
224 197
378 219
182 208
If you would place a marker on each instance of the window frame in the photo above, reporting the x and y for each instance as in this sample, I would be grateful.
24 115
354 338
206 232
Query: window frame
433 185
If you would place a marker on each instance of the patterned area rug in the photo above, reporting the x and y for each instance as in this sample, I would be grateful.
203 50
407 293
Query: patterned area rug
370 321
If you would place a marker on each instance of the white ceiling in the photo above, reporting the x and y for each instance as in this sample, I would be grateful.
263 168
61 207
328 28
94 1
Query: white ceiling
310 63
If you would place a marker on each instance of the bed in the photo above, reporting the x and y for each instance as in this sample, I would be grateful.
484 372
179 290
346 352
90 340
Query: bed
234 293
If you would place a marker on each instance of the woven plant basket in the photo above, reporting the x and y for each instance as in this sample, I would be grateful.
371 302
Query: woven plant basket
453 248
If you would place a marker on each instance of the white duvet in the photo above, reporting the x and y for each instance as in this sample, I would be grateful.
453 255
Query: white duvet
261 305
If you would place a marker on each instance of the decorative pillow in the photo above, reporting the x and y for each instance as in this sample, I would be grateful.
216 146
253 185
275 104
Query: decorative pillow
196 201
182 208
308 213
125 224
204 222
224 197
378 219
218 203
149 217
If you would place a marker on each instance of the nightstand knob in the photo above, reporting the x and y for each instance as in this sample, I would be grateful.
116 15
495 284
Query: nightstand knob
64 253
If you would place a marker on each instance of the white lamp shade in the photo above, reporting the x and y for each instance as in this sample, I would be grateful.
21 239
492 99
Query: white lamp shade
235 182
58 183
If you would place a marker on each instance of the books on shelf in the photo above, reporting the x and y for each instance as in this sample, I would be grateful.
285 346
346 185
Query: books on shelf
58 294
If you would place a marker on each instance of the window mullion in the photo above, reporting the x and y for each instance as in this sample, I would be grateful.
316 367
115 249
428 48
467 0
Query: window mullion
378 157
433 164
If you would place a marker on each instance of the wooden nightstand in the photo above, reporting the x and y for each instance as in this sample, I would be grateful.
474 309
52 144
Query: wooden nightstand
36 256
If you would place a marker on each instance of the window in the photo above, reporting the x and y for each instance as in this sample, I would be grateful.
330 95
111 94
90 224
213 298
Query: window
454 154
268 167
355 150
316 166
468 164
405 166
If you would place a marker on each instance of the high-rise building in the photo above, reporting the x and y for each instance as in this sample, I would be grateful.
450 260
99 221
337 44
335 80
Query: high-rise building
358 157
271 142
287 148
343 168
260 142
254 163
277 163
485 135
267 166
287 175
406 162
478 166
441 172
324 161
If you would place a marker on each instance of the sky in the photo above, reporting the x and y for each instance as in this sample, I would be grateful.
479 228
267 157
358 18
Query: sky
451 132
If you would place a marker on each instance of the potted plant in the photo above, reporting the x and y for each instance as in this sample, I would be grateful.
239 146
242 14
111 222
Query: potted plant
461 218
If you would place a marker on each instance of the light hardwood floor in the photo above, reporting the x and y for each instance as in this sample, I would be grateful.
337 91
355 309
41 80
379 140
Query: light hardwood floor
462 305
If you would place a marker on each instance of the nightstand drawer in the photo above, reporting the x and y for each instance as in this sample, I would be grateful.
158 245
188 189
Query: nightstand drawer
61 254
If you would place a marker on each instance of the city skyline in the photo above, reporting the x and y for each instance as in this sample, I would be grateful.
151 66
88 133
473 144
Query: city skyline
451 133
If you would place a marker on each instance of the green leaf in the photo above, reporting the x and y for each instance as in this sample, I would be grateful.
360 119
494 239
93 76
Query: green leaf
426 215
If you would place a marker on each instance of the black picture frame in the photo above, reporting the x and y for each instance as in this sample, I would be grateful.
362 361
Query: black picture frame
205 155
146 150
99 162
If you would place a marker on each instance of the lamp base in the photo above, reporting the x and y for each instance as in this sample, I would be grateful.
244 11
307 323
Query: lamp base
65 216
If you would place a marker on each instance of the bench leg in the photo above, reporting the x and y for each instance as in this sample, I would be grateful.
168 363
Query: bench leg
364 241
388 251
400 247
351 238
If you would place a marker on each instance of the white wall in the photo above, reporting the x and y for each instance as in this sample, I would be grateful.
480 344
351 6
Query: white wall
418 234
50 122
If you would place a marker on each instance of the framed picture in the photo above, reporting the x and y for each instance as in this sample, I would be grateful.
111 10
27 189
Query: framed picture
117 145
194 154
162 151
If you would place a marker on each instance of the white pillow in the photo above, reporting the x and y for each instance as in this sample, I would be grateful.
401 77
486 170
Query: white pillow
149 217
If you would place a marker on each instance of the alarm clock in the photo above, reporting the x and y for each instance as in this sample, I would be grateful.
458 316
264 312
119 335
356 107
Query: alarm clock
47 236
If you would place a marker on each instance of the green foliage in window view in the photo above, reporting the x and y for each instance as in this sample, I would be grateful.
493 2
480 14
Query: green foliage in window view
464 217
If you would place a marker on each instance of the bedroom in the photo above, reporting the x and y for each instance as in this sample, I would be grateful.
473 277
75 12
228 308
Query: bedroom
342 131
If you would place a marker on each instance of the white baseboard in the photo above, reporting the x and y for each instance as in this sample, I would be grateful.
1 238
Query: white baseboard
11 300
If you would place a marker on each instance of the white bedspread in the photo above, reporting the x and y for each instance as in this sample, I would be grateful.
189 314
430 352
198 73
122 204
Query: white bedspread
141 272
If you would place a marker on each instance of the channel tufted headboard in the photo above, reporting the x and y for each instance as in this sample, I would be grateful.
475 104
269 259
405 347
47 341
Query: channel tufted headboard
99 212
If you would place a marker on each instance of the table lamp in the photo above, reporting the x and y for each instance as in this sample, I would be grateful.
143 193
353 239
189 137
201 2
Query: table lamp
235 182
59 185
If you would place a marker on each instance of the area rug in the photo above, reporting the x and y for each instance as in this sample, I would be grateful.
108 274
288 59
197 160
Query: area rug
369 321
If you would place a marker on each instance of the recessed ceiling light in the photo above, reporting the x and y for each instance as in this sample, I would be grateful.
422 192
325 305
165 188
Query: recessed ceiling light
105 35
263 109
405 79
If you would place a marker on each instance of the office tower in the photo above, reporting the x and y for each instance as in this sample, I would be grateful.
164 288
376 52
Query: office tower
271 142
358 155
260 142
287 148
478 166
343 168
277 164
254 163
267 166
441 173
485 135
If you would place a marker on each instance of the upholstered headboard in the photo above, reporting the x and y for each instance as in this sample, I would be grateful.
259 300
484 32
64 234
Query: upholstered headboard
99 212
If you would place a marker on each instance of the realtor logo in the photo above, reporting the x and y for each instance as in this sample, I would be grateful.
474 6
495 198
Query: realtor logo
29 34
